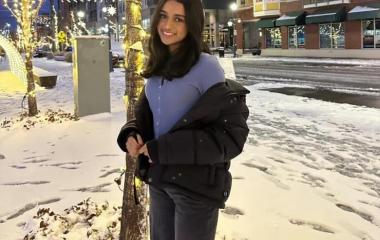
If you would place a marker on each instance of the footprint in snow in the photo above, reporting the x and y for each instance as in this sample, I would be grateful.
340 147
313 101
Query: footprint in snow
315 226
2 157
232 212
30 206
18 167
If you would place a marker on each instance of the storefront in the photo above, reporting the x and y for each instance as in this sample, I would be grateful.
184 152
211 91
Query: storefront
323 32
369 19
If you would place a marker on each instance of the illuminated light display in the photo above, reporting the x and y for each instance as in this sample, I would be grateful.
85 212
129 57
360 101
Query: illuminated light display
16 63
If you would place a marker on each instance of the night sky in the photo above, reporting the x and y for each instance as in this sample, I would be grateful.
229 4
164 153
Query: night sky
6 17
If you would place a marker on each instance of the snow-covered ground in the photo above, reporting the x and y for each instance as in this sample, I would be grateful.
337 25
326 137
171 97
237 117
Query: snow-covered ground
310 169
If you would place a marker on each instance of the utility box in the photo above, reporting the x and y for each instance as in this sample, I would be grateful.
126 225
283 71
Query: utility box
91 75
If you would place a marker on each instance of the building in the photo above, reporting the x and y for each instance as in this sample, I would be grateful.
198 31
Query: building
313 28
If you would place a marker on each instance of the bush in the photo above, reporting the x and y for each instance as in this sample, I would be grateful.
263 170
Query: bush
68 57
49 55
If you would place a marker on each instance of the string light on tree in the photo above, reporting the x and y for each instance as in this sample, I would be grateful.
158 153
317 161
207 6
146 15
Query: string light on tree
26 12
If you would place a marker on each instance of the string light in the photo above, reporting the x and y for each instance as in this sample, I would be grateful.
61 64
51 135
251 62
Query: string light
16 63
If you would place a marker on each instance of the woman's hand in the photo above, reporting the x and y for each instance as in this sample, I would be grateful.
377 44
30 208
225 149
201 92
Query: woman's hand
134 146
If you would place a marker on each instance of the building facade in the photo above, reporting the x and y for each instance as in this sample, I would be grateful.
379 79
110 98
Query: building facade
314 28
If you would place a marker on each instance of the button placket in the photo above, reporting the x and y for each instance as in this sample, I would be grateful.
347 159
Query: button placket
159 108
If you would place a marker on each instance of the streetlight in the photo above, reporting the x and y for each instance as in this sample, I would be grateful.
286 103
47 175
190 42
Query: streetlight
109 11
80 14
232 23
233 7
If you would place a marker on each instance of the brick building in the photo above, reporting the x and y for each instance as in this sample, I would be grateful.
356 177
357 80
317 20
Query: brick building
316 28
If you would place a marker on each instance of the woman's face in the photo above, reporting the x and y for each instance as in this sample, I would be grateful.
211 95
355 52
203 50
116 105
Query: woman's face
172 26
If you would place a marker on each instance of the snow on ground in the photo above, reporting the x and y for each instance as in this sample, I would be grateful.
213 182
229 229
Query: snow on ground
310 169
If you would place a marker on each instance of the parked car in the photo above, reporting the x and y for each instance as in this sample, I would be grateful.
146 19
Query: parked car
39 53
117 60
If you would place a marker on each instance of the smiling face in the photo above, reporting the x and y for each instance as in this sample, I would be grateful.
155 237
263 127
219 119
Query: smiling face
172 24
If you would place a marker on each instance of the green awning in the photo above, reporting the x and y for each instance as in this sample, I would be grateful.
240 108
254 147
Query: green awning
369 11
292 18
326 16
266 23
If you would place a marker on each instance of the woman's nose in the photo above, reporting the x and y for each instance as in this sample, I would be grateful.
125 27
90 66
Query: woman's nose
168 25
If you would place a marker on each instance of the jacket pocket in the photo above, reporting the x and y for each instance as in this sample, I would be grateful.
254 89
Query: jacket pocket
208 181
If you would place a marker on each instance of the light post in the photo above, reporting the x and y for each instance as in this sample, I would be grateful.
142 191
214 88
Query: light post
232 23
109 12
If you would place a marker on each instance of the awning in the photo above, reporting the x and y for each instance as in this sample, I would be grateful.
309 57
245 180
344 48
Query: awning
266 23
326 16
292 18
220 4
364 12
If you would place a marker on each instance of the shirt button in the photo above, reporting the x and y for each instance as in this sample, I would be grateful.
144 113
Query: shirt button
185 120
173 178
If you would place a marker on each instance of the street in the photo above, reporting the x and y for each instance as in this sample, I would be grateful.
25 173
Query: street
337 75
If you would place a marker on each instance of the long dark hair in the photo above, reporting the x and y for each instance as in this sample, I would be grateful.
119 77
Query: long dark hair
173 65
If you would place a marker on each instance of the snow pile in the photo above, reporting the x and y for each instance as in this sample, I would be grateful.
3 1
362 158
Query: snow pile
86 220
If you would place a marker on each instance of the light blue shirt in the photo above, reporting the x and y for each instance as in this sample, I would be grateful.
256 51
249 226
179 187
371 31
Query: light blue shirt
173 99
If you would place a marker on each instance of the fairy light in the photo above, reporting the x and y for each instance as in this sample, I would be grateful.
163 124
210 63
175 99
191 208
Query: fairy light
16 63
55 36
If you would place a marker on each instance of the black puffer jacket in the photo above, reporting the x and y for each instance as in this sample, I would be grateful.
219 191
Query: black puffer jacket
195 154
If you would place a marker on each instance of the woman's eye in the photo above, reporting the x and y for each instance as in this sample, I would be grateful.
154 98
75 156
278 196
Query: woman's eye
179 20
162 16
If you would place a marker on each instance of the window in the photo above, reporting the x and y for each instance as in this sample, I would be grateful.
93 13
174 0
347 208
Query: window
331 35
296 36
371 33
273 37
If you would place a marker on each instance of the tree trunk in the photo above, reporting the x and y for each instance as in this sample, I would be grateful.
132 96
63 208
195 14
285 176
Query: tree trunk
32 101
134 220
28 42
52 26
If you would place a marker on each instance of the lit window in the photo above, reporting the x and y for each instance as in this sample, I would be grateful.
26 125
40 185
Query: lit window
331 35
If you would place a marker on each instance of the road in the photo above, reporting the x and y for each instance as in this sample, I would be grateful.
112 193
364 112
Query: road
327 75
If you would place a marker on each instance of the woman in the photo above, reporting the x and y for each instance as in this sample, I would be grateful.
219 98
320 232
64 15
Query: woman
189 124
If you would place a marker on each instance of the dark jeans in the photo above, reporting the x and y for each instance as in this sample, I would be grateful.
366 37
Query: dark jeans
176 216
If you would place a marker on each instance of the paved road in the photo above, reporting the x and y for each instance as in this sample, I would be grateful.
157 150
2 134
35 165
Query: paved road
331 75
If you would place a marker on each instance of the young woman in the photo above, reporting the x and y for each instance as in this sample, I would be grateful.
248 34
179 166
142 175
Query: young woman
190 122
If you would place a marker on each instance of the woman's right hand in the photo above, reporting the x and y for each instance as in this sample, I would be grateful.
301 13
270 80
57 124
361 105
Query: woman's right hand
133 145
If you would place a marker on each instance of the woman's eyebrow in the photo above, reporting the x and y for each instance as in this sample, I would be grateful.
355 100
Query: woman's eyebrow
177 15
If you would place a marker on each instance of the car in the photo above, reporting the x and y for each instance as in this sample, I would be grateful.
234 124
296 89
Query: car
117 60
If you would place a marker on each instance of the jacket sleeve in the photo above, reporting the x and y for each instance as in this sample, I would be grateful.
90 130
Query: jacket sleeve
135 126
215 142
129 129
